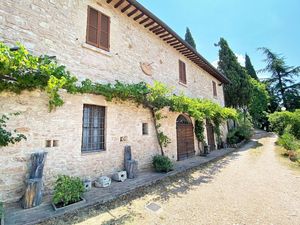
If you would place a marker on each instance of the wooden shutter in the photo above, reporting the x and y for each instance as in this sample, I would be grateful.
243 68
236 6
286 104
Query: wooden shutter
214 88
92 27
98 29
104 31
182 72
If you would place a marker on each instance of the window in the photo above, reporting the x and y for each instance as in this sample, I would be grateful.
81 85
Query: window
145 129
93 128
182 72
215 89
98 29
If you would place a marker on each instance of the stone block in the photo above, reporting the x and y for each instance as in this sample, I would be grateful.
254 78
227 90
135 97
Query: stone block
120 176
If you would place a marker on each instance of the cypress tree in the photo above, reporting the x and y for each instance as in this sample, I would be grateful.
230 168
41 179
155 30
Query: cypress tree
189 38
238 93
249 68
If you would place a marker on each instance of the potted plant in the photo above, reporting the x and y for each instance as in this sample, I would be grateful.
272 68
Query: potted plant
68 191
162 164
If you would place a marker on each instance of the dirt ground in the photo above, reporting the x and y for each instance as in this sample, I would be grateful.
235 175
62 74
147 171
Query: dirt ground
251 186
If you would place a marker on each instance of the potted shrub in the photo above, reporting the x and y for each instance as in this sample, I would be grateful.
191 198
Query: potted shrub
68 191
162 164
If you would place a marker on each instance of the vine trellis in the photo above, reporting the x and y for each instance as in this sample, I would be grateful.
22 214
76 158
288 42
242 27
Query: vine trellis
20 70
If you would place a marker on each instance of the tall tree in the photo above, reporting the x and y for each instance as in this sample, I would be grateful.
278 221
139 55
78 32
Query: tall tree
259 103
238 92
189 38
249 67
282 79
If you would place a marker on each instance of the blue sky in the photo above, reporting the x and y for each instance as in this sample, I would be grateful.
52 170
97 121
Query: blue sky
246 25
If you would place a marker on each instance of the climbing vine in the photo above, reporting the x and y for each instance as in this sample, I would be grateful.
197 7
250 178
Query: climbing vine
20 71
7 137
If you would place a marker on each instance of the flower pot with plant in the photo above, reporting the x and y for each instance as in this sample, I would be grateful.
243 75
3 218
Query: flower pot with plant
162 164
68 191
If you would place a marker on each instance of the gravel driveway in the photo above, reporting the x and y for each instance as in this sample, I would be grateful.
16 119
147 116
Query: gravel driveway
250 186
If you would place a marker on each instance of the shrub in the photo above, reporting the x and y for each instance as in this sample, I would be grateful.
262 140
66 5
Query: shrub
238 134
162 163
289 141
67 190
281 120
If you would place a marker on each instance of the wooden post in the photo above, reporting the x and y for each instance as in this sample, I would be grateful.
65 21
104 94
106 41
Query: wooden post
34 185
33 193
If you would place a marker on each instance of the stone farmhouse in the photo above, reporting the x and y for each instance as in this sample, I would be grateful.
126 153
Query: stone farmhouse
103 40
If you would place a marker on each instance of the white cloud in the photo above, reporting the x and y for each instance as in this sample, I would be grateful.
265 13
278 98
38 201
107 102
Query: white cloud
240 58
215 63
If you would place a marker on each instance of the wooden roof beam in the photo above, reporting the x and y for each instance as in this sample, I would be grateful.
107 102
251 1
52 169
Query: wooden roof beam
175 43
179 49
155 27
119 3
185 51
164 35
172 40
132 12
139 16
158 29
168 38
149 24
177 46
126 8
160 32
145 20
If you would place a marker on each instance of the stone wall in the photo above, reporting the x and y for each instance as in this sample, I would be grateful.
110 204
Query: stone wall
58 28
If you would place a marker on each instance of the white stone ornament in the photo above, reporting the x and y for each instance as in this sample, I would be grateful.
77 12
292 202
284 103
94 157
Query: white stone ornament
120 176
103 182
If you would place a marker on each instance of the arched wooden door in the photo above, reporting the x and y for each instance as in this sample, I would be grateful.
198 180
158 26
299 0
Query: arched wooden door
185 138
210 135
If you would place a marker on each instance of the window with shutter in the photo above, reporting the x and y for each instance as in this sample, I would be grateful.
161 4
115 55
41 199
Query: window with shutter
215 89
182 72
93 128
98 29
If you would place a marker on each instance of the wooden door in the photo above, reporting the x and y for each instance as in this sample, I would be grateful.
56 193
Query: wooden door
185 138
210 136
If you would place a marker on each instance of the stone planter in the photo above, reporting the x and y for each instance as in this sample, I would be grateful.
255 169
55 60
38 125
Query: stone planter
87 185
69 207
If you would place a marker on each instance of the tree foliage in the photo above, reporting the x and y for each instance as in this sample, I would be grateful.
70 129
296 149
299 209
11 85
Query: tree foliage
237 93
249 68
282 82
189 38
280 121
259 102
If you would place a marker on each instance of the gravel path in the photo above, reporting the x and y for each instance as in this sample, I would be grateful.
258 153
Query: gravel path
250 186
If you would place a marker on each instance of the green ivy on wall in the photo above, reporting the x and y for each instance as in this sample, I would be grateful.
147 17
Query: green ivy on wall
20 71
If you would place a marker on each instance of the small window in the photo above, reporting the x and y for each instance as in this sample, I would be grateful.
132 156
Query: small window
215 89
182 72
93 128
98 29
145 129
